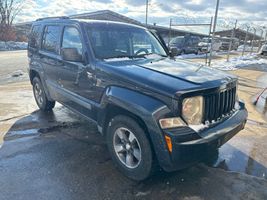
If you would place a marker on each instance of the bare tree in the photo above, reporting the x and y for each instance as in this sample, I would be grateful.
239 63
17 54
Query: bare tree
9 9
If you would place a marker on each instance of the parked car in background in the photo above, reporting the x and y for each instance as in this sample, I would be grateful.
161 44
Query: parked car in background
263 50
226 43
151 109
186 44
205 44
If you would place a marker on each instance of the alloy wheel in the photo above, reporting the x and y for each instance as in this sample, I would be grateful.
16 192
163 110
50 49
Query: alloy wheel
127 147
38 93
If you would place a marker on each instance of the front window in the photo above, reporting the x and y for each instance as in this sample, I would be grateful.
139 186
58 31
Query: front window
72 39
117 41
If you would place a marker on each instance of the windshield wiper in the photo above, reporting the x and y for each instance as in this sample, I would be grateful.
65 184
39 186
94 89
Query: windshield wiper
135 56
148 54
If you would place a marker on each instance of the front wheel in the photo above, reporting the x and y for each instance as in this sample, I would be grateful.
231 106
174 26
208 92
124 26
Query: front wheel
40 96
130 148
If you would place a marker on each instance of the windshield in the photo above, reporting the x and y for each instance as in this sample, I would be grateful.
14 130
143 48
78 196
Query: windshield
118 41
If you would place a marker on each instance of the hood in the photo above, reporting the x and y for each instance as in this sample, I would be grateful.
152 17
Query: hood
171 76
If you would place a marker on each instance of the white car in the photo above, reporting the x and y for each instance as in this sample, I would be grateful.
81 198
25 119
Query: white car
205 45
263 50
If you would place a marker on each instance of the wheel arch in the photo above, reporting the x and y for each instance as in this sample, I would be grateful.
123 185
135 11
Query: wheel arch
113 110
33 73
146 110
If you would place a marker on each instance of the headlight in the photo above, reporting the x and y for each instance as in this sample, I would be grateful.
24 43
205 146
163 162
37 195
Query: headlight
192 110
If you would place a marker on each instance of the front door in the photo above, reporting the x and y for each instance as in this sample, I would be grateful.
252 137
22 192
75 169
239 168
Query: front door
76 78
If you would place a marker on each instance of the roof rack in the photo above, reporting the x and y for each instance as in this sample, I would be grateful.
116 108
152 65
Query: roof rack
59 17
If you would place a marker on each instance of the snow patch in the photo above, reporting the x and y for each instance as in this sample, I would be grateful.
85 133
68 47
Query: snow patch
153 56
247 48
239 62
190 56
117 59
199 127
11 45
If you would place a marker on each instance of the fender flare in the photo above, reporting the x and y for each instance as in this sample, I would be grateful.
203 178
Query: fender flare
147 108
38 69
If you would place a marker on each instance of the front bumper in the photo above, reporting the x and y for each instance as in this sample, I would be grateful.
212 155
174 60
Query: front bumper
189 147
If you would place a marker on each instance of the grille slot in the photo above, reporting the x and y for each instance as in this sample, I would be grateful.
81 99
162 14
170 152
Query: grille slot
218 104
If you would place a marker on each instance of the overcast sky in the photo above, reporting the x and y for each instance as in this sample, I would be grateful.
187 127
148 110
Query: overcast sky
160 11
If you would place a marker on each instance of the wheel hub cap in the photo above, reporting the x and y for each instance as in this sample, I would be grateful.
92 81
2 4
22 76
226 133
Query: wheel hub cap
127 147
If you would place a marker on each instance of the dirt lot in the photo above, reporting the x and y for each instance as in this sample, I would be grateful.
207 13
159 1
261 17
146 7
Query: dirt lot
61 156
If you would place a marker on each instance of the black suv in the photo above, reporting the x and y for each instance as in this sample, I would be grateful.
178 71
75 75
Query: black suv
153 110
186 44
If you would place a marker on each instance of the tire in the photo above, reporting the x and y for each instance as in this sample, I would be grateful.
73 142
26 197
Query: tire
40 97
120 128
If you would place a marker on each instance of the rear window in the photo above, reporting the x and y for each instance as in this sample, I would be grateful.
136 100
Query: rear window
35 36
51 39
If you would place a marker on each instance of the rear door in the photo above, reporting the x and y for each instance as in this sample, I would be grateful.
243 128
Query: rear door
50 58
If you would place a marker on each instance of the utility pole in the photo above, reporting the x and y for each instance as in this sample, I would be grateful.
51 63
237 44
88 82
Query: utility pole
245 43
252 43
260 40
170 29
146 10
206 59
214 29
231 42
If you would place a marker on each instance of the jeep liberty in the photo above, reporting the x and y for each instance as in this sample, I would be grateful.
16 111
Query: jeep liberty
152 109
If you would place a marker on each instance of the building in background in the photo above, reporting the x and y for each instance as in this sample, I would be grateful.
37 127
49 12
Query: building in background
239 34
23 28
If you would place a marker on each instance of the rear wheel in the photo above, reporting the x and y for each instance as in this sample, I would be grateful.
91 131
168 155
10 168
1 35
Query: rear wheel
130 148
40 96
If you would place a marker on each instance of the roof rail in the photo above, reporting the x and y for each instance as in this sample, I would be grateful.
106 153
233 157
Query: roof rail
59 17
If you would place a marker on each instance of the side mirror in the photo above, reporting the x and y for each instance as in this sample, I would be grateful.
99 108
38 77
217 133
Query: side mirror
71 54
173 51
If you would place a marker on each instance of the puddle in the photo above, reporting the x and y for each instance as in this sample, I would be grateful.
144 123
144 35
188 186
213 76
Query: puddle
230 158
21 133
